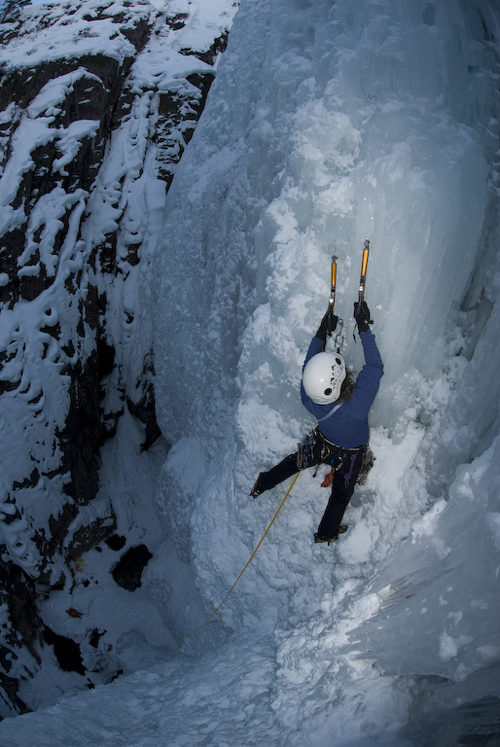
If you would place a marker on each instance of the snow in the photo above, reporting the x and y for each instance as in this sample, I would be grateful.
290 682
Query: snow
326 125
127 188
37 43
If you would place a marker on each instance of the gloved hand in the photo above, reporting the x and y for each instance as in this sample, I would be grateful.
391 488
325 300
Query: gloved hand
327 326
362 316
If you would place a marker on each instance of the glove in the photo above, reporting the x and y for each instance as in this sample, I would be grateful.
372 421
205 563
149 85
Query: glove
362 316
327 326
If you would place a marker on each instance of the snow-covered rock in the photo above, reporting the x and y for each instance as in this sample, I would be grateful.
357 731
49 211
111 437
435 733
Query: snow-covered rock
98 101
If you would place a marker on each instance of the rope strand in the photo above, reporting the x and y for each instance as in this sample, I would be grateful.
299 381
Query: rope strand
247 564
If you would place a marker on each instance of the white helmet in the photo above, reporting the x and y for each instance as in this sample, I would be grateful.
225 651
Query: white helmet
323 376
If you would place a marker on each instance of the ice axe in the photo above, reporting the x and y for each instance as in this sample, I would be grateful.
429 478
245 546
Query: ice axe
335 324
364 266
333 287
362 283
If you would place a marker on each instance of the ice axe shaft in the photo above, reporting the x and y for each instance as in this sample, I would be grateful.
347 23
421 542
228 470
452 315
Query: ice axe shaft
333 287
364 266
336 325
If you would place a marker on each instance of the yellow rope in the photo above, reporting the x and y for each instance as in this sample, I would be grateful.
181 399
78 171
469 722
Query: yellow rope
246 566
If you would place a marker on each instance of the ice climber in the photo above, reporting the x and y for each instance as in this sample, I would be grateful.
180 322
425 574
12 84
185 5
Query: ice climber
341 407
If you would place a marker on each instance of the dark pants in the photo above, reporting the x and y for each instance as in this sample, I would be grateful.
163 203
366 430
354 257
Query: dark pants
347 464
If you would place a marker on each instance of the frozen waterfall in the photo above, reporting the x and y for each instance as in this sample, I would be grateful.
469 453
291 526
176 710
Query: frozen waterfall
328 123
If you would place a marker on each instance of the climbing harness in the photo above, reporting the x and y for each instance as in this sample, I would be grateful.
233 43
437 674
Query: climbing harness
316 449
367 462
329 451
247 564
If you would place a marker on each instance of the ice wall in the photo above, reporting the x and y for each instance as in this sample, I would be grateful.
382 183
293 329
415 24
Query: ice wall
337 124
328 124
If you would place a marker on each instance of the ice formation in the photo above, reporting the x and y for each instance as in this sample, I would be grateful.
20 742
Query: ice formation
328 123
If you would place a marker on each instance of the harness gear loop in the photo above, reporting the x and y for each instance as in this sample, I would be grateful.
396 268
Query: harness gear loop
247 564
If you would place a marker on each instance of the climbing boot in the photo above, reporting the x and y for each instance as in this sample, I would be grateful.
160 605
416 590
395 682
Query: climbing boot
320 540
255 490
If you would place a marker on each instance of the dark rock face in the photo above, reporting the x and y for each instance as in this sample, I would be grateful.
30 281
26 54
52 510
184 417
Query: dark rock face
18 594
92 125
67 652
128 571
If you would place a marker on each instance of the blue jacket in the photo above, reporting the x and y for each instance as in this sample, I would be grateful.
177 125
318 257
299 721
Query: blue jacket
348 426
